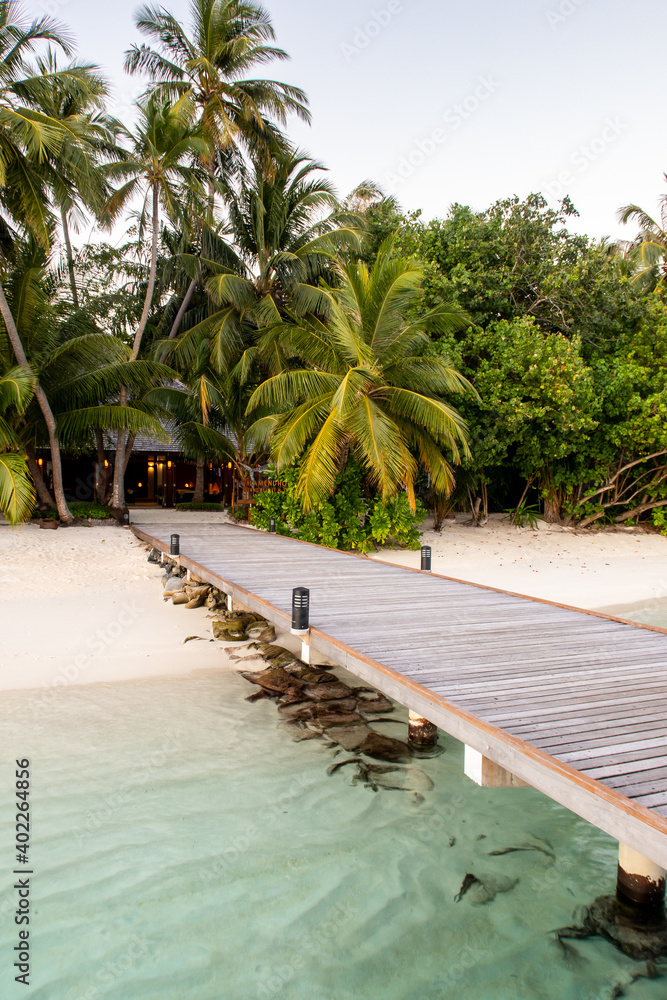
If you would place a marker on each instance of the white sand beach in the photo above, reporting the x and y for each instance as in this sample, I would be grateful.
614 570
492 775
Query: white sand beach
82 605
590 569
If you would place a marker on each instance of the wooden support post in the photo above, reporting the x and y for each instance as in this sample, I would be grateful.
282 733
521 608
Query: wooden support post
640 887
230 602
487 773
305 647
422 734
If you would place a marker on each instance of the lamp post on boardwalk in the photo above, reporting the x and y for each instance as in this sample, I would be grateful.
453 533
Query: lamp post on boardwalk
126 519
175 545
301 619
426 558
272 525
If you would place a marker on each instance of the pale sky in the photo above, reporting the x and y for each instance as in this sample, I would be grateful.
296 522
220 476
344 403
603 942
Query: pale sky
444 102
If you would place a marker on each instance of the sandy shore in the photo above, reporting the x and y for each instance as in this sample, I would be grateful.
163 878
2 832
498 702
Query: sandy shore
593 570
82 605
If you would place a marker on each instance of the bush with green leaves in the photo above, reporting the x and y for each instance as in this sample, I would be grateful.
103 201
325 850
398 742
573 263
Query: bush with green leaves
348 519
84 508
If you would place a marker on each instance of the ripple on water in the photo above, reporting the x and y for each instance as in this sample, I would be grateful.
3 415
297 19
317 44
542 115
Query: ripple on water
186 848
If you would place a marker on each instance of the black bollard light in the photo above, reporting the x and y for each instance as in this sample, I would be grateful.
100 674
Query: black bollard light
272 525
426 558
175 545
126 519
300 609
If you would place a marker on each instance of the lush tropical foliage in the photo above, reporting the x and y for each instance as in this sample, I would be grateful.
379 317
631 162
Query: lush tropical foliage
378 364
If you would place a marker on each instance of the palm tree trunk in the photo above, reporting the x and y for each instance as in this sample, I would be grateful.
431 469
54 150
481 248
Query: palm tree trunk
102 476
129 447
198 496
118 492
63 510
37 477
176 326
151 275
70 257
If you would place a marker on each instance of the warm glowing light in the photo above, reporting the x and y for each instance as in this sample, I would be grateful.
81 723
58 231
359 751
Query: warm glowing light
140 485
106 464
229 465
40 461
169 465
151 465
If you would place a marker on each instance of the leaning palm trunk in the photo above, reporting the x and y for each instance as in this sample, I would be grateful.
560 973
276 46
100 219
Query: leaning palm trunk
70 257
176 326
118 492
37 477
59 493
102 477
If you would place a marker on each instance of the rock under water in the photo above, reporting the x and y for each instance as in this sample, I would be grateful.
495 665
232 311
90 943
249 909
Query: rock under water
609 919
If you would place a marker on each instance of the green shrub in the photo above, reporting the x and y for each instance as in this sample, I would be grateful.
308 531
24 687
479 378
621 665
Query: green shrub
659 519
85 508
200 506
347 520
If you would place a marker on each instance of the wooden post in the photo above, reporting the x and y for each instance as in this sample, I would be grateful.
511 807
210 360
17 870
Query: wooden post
305 648
640 887
422 734
487 773
230 602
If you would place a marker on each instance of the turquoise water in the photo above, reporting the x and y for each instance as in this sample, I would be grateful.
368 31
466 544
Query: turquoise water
185 848
653 612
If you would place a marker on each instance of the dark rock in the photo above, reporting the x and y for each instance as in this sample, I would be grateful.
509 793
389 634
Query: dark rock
258 695
483 889
344 705
326 692
609 919
275 679
297 711
311 675
292 696
385 748
195 602
153 556
271 652
231 631
379 704
350 738
325 719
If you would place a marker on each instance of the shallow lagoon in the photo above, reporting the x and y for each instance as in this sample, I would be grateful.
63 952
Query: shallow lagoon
185 847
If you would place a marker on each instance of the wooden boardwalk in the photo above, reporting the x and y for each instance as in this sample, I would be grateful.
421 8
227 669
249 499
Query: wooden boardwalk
572 702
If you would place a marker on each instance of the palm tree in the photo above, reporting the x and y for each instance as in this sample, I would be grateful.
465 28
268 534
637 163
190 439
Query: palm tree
17 496
285 243
648 251
159 164
198 406
229 38
285 231
366 385
79 367
27 137
72 175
